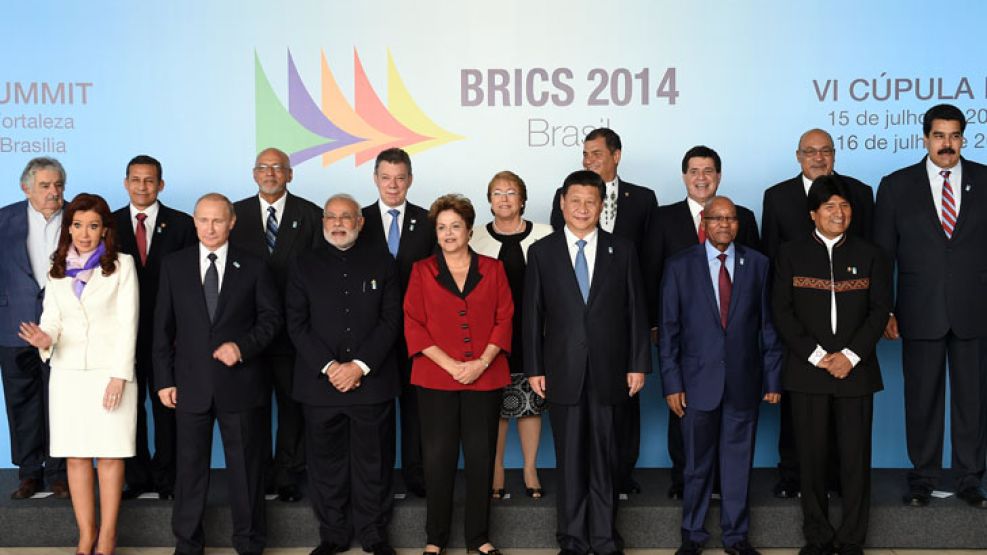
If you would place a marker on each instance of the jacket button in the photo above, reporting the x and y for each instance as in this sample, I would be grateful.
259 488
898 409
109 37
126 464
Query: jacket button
468 354
462 313
464 326
466 340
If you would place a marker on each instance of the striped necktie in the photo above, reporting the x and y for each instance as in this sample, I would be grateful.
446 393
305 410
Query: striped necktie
271 235
948 205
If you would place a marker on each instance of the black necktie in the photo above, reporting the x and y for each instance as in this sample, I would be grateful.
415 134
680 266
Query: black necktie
210 286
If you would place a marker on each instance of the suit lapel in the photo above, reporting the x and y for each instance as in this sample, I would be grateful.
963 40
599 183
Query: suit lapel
372 225
741 280
702 269
230 280
685 215
19 223
624 203
288 229
410 229
96 282
254 223
158 235
604 257
969 190
922 197
563 260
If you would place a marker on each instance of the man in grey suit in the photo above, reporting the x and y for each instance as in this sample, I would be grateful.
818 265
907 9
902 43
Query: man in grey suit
586 350
29 232
931 219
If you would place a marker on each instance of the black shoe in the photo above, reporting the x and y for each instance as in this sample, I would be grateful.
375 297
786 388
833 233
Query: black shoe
289 493
786 489
60 489
134 491
689 547
27 488
166 494
328 549
816 549
675 491
629 486
742 547
850 549
416 488
380 548
917 497
491 551
974 497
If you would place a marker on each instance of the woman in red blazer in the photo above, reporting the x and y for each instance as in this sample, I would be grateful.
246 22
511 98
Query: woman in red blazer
457 322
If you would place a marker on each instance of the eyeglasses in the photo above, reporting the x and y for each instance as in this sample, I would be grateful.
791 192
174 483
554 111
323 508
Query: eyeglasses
344 219
276 168
506 194
721 219
812 152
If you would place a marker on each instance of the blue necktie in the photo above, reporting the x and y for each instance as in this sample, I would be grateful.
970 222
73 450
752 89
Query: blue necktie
271 235
582 270
394 234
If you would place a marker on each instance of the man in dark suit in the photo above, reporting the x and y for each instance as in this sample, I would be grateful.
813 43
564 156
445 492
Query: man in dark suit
785 218
277 226
629 212
29 232
678 227
586 349
720 357
831 299
217 310
400 228
148 231
931 219
343 308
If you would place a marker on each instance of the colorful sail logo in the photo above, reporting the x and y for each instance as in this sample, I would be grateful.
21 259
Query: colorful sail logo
333 128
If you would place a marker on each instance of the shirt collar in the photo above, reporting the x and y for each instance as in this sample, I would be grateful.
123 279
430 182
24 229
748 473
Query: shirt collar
220 252
32 213
694 207
712 252
150 211
384 208
830 243
278 204
571 238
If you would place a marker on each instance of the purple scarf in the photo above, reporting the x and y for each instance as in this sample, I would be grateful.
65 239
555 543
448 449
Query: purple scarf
80 271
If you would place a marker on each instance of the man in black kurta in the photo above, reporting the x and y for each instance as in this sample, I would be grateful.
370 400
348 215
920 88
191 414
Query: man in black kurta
832 297
343 309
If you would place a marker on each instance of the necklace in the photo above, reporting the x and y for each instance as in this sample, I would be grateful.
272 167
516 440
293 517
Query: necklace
519 229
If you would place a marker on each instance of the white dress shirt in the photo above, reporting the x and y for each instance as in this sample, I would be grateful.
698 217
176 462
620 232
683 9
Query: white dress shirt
806 184
42 240
936 181
589 250
149 222
712 255
385 218
278 209
695 209
221 253
609 218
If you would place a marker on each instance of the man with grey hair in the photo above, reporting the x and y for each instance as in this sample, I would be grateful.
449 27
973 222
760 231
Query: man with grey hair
343 311
785 218
29 232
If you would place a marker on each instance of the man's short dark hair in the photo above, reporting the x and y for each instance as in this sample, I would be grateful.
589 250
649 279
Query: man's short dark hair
701 151
145 160
610 137
826 187
942 111
586 178
393 156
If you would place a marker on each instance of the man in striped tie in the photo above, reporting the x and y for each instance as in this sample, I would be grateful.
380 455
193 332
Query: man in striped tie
931 218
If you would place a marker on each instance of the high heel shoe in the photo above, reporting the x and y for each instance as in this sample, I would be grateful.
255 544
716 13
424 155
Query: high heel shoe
491 551
498 493
534 493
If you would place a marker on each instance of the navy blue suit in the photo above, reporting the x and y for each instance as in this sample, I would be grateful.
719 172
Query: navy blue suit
724 374
25 378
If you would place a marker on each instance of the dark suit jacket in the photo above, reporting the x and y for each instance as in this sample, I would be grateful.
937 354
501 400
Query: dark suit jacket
802 297
173 231
417 237
300 231
567 340
785 216
20 296
940 281
673 232
344 306
248 314
699 357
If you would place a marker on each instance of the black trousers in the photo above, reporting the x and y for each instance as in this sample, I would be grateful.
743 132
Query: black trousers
586 462
411 428
351 467
25 394
451 418
243 445
628 424
289 439
788 463
816 418
142 471
924 365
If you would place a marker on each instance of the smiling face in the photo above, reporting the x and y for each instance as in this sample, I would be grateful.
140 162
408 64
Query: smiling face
816 154
393 182
944 141
701 179
581 206
832 218
341 223
86 231
720 223
598 159
452 232
505 199
272 173
143 185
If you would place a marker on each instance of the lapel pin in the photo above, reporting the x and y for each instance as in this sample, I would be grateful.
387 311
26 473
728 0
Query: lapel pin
610 250
626 194
294 224
373 284
412 226
741 260
852 269
967 189
160 229
236 264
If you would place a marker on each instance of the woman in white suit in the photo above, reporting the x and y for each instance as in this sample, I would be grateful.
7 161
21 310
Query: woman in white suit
88 331
507 238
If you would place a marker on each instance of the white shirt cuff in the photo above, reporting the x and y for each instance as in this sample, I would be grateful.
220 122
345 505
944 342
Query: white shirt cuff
854 359
366 369
325 369
817 355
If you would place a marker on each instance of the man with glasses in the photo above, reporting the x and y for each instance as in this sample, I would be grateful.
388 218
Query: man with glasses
278 227
785 218
679 226
343 309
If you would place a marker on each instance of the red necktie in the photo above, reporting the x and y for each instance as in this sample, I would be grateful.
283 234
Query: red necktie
702 230
141 233
726 287
948 205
